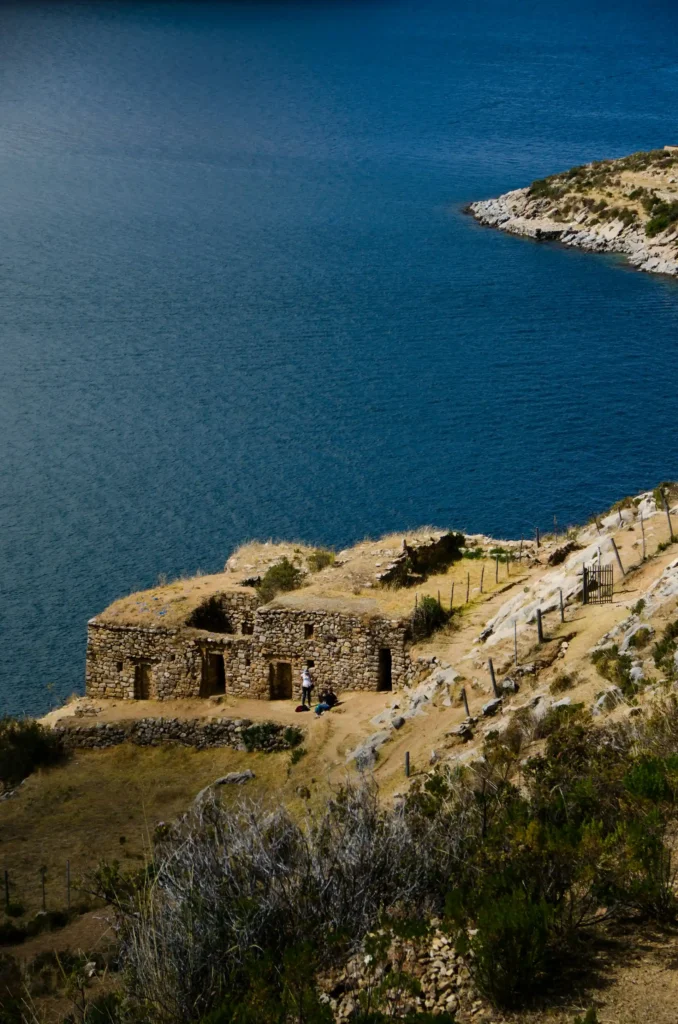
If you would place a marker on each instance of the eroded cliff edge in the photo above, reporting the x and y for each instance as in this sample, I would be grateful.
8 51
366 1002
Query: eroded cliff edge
628 206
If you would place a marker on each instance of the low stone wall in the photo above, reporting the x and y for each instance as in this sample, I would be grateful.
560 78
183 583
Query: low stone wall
238 733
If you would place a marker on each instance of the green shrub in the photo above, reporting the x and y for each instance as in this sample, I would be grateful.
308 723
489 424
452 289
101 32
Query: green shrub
292 735
563 681
640 638
24 746
510 946
663 215
428 617
281 577
260 736
638 606
616 668
664 650
297 754
590 1017
320 558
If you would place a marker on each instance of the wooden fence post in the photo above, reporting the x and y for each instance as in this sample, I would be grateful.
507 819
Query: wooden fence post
642 530
68 884
468 586
618 557
482 575
492 677
515 641
407 764
465 700
537 537
540 628
43 872
6 890
668 516
496 570
452 596
562 605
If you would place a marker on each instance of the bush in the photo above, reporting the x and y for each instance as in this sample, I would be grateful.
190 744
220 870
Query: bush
664 651
538 851
24 746
640 638
663 216
563 681
510 946
428 617
281 577
616 668
292 735
320 558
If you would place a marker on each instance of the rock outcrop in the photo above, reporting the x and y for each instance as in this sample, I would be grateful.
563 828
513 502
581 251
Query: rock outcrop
627 206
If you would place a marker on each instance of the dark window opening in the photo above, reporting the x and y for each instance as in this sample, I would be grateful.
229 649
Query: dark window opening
308 629
247 629
173 657
142 681
310 663
119 666
213 675
385 681
280 680
248 662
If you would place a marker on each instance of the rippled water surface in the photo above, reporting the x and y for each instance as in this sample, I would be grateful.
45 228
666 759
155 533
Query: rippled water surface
239 297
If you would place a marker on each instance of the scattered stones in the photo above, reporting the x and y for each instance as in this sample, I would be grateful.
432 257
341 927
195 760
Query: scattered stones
492 707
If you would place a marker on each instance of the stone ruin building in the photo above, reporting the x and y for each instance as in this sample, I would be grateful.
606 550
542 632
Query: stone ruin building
214 635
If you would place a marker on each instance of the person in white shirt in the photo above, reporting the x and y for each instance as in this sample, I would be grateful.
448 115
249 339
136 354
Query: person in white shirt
306 687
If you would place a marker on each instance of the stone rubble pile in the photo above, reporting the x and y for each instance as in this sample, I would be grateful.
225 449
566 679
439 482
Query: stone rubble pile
442 981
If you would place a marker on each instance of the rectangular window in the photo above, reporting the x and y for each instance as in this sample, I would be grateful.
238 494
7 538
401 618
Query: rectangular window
308 630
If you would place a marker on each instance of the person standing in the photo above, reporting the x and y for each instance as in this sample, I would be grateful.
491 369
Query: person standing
306 687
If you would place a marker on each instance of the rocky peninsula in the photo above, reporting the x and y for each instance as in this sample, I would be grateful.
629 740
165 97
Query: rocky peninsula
627 206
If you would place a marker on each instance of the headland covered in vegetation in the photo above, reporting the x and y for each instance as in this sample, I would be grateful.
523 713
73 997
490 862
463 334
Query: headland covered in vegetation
521 869
627 206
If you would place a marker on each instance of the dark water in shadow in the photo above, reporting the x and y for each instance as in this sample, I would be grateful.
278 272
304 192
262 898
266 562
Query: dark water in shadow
239 298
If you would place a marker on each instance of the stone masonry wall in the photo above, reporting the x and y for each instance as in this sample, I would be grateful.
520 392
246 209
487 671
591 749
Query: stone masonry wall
241 734
344 651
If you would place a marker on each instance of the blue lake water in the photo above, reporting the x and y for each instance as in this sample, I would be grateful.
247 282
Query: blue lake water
238 296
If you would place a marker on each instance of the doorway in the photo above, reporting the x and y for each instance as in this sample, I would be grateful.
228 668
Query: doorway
280 680
213 675
384 679
142 681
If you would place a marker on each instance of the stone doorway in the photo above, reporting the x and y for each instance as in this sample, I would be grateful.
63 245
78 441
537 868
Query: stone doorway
142 681
384 679
213 675
280 680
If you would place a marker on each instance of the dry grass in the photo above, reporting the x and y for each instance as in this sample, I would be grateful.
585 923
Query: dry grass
348 585
80 811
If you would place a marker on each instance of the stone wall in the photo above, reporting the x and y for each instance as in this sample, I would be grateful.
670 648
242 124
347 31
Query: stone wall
241 734
346 652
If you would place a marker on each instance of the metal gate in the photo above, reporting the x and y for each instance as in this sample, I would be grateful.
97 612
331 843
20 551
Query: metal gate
597 584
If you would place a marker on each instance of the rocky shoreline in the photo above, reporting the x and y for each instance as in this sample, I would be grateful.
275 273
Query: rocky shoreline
520 214
627 206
